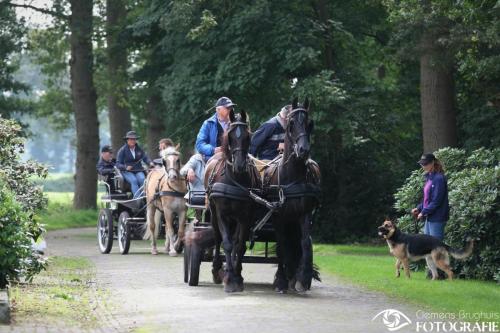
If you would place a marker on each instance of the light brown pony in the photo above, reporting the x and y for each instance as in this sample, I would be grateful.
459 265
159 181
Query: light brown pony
165 191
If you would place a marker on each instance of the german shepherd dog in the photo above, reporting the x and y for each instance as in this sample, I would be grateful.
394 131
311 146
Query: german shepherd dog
406 247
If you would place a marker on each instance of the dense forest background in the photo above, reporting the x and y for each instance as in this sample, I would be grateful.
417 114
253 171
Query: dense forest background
388 80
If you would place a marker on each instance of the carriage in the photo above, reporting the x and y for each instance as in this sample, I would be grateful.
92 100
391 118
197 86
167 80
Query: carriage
121 217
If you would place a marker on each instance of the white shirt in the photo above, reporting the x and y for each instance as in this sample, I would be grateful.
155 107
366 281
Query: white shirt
132 151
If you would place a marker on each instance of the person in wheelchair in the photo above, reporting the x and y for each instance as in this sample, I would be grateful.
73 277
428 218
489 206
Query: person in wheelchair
129 161
106 167
194 170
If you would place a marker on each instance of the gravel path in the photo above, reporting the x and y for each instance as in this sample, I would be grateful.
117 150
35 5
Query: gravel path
147 293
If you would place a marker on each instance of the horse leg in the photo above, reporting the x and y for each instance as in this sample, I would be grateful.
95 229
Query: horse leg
241 247
169 230
217 271
305 270
230 284
280 281
181 215
150 218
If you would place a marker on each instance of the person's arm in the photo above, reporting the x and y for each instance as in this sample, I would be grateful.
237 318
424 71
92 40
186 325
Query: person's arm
120 160
189 165
203 141
145 158
259 137
438 195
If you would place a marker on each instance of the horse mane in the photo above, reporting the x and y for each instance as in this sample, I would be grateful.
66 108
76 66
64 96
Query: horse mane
168 151
225 144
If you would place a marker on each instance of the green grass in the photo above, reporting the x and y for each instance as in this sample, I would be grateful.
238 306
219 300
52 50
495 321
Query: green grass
60 213
65 294
373 268
57 182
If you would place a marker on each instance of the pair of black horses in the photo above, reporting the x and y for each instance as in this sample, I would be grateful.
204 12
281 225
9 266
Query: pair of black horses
290 182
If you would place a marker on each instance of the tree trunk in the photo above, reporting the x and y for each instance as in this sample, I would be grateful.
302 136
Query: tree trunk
119 115
84 97
439 125
321 9
156 127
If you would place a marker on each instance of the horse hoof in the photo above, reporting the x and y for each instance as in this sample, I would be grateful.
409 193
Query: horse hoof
231 287
300 287
154 251
173 253
218 276
280 290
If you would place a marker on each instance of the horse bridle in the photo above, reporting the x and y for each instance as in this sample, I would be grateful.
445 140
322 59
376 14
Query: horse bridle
296 139
234 126
172 168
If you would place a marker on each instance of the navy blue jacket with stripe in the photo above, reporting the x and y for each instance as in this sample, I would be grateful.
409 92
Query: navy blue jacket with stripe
265 140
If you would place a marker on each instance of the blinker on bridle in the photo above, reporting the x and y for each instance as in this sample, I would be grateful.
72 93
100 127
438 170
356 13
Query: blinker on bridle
237 127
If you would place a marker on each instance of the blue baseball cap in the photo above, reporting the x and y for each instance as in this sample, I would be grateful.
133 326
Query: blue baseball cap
225 102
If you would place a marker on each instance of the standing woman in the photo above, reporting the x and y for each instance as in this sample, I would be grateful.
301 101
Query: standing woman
129 161
434 208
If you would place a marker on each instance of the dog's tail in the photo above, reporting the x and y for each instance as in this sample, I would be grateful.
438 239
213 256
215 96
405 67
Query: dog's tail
462 254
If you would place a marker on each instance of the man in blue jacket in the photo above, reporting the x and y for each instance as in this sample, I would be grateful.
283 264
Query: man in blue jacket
268 139
129 161
106 166
209 137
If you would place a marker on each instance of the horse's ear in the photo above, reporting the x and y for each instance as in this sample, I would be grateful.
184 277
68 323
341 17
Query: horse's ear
232 116
306 104
243 116
295 103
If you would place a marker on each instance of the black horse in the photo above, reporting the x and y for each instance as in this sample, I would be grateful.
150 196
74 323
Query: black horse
294 180
228 177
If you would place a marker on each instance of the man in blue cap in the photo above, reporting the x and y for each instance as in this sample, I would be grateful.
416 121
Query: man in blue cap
209 137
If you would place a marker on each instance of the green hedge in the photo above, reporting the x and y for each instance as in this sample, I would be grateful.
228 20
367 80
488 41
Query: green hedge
20 202
473 185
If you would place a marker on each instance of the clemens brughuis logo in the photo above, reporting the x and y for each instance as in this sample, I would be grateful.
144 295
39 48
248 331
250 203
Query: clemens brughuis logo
393 319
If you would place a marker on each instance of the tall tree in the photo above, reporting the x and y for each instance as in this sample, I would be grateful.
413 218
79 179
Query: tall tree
437 95
84 98
119 115
155 126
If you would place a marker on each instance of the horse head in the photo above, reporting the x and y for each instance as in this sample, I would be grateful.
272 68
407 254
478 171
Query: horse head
172 162
299 128
237 142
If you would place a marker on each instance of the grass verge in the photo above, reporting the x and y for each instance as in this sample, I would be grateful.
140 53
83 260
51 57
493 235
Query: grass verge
60 213
65 294
373 268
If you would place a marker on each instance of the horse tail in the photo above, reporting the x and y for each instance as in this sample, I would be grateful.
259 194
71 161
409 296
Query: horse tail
316 273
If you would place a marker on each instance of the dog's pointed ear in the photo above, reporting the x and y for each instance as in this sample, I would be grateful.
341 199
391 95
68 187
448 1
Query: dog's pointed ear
178 146
232 116
295 103
306 104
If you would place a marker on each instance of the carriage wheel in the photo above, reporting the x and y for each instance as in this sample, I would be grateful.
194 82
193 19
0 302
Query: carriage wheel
187 250
124 232
194 264
105 230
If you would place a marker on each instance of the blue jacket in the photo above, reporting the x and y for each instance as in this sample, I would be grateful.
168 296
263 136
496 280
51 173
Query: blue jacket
438 209
105 168
124 158
206 141
266 139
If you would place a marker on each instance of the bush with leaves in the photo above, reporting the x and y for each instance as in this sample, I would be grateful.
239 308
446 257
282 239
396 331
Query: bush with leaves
20 200
473 186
